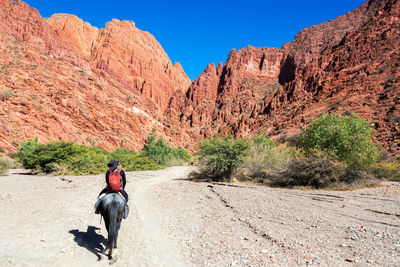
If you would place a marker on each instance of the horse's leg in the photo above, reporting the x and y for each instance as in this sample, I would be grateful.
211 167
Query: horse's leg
109 244
110 252
115 240
119 219
107 221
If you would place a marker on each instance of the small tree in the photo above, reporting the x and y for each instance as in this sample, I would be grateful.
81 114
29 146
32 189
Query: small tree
180 154
28 147
157 150
222 156
348 139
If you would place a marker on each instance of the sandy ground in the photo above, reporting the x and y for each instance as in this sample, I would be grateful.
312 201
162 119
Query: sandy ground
49 221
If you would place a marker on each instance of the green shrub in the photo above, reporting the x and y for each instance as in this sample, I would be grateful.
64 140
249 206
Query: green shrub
157 151
28 147
86 163
6 94
124 156
121 152
162 154
130 161
78 159
68 158
264 141
140 163
348 139
179 156
221 156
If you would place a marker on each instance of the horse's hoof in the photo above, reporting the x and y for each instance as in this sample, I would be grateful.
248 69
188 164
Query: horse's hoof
110 252
112 255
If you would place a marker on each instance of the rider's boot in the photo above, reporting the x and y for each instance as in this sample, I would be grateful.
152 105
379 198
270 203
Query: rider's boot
126 211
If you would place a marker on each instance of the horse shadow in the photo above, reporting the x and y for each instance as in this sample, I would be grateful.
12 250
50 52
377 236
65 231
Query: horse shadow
90 240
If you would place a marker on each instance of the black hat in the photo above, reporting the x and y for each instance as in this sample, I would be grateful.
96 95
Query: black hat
113 164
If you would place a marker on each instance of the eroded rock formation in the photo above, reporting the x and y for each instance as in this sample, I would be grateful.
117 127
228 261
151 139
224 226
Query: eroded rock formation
62 79
348 65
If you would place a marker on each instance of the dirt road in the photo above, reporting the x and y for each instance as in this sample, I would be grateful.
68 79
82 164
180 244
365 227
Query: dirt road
49 221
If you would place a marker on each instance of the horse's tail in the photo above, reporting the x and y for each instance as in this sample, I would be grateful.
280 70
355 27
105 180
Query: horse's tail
115 221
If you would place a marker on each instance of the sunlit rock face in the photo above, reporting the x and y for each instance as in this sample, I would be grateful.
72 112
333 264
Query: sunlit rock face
347 65
62 79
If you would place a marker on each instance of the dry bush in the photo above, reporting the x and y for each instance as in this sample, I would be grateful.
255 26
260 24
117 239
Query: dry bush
12 155
203 174
5 165
318 170
61 169
261 161
387 169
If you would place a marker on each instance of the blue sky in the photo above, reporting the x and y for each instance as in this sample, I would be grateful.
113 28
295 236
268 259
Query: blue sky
196 33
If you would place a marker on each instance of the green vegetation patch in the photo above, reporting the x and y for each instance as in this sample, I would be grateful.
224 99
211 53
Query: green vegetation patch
346 138
162 154
332 152
68 158
221 156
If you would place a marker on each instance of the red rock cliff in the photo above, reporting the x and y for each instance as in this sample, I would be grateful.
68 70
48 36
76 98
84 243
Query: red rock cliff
126 52
62 79
348 65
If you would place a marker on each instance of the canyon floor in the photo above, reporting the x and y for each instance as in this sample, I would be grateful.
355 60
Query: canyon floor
49 221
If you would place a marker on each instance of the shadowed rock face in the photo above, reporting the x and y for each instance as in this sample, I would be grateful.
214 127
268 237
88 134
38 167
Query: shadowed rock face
348 65
62 79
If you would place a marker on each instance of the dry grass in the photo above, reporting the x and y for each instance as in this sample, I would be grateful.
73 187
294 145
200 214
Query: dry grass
286 167
261 161
387 169
5 165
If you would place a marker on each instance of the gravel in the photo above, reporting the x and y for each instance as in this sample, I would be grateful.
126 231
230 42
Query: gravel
176 222
225 225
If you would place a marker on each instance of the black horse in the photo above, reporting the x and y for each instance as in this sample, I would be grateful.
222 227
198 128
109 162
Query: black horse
111 207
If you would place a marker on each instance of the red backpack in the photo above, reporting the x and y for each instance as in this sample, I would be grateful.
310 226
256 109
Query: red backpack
114 179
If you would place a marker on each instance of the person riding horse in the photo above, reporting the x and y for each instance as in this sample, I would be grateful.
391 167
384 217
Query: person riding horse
114 187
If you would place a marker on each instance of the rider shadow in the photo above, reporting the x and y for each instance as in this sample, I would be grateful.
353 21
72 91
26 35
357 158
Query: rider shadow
90 240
